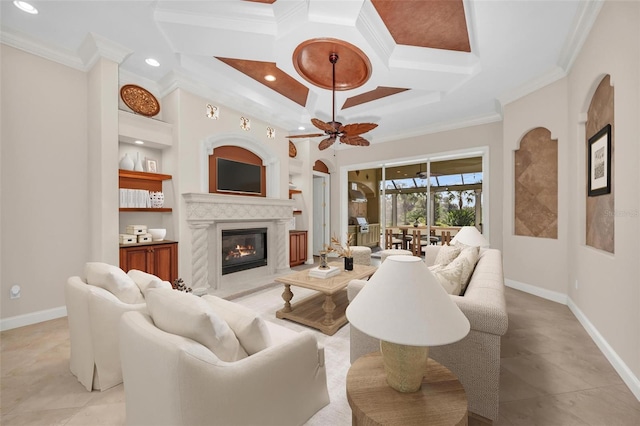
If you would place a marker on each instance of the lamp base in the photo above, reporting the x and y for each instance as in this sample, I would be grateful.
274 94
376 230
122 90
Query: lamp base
405 365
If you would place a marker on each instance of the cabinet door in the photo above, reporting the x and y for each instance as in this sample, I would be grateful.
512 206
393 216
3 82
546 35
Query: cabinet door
134 258
164 259
294 244
302 247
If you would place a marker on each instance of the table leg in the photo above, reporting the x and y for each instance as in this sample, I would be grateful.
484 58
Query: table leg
404 239
328 306
287 295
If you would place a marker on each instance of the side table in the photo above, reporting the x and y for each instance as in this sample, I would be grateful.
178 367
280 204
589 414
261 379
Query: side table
440 401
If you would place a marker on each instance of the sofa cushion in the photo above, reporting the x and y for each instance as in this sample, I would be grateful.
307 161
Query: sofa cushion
251 330
190 316
145 279
158 283
446 255
114 280
449 277
466 260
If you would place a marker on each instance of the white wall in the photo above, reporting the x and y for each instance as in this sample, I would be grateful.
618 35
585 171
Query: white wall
529 260
608 292
45 194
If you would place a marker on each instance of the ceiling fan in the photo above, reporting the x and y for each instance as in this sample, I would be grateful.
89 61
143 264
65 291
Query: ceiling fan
349 134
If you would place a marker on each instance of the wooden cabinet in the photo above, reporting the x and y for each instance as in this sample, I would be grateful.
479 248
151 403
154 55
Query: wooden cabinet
159 258
297 247
141 180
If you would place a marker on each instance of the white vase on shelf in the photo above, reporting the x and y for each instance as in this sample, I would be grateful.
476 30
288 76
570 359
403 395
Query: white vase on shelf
138 166
126 163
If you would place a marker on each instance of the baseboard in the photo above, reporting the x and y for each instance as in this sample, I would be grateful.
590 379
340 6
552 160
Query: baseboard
32 318
554 296
625 373
632 382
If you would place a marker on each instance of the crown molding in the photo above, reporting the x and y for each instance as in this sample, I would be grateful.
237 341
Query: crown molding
95 47
585 18
531 86
36 47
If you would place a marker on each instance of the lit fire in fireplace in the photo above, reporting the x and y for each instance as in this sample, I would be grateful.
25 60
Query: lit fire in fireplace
240 251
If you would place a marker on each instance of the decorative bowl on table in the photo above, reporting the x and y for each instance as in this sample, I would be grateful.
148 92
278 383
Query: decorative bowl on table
157 234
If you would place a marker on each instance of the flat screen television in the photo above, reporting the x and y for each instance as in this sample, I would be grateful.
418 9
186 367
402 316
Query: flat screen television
234 176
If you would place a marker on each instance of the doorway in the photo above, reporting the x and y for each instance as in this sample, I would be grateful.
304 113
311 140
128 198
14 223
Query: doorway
321 197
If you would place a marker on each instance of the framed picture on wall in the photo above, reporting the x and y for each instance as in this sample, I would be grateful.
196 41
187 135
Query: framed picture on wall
599 153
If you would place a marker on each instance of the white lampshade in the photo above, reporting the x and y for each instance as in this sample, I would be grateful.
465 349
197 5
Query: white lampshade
470 236
403 303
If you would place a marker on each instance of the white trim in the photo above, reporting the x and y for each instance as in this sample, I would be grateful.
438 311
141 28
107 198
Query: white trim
32 318
554 296
583 22
623 370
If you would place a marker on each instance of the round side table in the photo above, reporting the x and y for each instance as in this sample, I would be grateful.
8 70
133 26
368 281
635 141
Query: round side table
440 401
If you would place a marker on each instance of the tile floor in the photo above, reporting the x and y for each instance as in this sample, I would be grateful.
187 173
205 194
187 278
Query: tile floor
552 374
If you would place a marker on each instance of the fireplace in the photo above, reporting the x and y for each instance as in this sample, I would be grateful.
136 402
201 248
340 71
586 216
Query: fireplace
243 249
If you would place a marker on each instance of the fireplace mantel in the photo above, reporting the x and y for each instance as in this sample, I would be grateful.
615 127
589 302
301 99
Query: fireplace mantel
207 214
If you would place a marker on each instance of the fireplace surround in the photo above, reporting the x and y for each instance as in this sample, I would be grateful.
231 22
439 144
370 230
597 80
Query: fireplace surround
208 215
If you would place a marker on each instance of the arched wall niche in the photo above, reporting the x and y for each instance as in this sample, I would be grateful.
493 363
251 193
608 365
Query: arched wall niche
536 185
270 160
600 220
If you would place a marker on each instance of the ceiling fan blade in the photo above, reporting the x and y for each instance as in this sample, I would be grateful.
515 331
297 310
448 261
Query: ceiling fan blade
326 143
357 128
322 125
354 140
310 135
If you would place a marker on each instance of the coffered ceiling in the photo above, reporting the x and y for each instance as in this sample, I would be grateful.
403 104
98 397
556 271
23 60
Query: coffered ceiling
411 66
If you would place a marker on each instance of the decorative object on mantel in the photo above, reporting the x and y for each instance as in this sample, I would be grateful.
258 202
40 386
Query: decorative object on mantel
126 163
213 112
138 166
140 100
271 132
181 286
245 123
292 150
157 199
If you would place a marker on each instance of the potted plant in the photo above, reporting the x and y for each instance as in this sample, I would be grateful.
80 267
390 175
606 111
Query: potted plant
343 251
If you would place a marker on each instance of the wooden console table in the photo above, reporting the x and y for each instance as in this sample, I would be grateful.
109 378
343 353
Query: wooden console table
440 401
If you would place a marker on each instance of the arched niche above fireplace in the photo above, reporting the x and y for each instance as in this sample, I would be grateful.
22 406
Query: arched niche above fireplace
236 170
269 158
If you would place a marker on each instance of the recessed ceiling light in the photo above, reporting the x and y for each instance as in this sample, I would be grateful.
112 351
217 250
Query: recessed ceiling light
152 62
301 128
269 77
26 7
139 142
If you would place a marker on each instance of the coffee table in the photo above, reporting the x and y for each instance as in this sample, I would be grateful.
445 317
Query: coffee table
324 311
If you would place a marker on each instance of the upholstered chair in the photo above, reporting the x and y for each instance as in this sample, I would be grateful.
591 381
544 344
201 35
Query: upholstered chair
197 361
95 304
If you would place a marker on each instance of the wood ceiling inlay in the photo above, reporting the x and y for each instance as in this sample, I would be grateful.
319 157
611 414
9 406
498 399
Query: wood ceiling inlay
284 83
377 93
439 24
311 60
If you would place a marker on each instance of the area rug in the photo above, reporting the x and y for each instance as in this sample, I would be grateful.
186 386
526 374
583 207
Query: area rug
266 302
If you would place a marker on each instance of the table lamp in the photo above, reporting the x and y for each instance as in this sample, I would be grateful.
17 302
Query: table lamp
470 236
405 307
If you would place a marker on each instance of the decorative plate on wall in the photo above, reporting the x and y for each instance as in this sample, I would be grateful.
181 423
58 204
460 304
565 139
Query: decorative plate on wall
140 100
292 150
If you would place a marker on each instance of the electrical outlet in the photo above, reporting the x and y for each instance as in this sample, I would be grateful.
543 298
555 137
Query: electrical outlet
15 292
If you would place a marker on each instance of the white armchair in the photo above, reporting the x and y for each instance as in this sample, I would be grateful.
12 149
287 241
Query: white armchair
170 379
94 315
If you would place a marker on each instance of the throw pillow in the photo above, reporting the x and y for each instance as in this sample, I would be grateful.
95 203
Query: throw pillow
187 315
448 277
466 260
446 255
143 279
251 330
157 283
114 280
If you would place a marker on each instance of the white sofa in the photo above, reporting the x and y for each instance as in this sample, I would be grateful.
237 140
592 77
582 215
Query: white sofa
170 379
476 358
94 314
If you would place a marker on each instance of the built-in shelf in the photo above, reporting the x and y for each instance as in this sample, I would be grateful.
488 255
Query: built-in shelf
294 191
151 182
297 212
